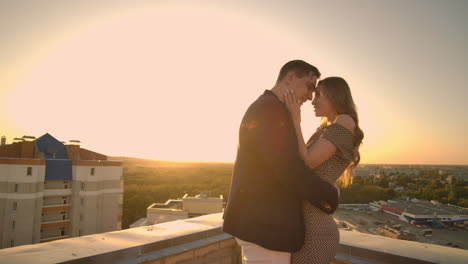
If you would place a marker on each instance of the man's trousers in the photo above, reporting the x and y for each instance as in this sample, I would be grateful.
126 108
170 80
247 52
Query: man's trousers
255 254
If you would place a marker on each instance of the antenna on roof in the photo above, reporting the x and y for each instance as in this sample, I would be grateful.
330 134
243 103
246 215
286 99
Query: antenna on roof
74 142
17 140
29 138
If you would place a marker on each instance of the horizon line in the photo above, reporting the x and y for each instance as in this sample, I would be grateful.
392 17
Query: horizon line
200 161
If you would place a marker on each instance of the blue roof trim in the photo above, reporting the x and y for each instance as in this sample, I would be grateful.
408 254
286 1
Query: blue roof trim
58 169
58 166
51 147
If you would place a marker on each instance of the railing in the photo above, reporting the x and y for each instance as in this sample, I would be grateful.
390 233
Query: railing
54 224
60 220
56 205
56 208
57 192
201 240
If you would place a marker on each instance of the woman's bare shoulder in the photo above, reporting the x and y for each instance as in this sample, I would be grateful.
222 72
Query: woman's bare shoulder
346 121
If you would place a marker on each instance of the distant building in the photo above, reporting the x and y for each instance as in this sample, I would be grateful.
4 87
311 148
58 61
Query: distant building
187 207
419 212
362 171
461 177
402 171
50 190
399 188
379 176
449 179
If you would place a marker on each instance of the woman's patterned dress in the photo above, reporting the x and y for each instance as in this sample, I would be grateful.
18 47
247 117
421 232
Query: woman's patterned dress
321 232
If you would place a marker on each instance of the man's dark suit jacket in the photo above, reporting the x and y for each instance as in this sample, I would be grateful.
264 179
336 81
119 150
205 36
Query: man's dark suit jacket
270 181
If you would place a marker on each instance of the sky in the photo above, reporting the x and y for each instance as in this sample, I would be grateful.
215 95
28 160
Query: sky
171 80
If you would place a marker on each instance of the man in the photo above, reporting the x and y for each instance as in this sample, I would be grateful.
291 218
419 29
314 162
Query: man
270 181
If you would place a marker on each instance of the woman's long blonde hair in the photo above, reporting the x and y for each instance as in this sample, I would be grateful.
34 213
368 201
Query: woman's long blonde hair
338 93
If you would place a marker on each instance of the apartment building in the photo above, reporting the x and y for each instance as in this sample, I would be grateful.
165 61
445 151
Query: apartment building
50 190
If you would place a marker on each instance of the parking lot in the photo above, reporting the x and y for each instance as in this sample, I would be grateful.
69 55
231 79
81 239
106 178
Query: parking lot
367 221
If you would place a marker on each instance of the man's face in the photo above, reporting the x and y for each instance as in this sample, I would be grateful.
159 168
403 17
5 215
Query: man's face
304 87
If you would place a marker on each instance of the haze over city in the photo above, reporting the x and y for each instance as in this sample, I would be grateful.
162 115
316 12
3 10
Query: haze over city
171 80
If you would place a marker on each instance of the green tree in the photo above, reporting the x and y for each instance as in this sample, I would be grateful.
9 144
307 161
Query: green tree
383 182
357 180
463 202
438 194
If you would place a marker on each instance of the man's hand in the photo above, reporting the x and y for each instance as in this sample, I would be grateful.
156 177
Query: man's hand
294 106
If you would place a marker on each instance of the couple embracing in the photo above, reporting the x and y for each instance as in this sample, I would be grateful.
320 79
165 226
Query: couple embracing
283 191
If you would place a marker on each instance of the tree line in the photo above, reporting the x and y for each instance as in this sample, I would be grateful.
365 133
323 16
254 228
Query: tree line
150 182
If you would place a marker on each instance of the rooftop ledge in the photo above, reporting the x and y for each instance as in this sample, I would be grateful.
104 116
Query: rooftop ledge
201 240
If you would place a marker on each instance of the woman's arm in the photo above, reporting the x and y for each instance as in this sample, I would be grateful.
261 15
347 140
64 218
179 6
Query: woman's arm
318 153
322 149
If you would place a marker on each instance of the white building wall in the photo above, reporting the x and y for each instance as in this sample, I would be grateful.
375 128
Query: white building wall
99 206
25 218
109 209
101 173
18 173
161 215
202 205
89 211
27 195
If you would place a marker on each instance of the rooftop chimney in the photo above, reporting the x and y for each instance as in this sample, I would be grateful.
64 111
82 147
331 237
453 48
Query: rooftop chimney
3 141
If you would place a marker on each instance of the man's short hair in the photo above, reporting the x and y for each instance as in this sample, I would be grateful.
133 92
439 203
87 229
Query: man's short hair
299 67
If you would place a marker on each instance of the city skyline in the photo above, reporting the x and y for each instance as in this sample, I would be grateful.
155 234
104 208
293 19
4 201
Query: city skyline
171 80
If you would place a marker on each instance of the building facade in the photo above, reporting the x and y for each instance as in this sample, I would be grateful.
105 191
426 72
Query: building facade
418 212
50 190
184 208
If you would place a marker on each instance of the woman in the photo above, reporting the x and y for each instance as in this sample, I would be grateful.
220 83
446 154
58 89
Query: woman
332 152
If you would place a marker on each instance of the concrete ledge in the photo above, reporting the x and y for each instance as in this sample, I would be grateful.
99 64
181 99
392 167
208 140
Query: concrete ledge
358 248
134 245
201 240
43 240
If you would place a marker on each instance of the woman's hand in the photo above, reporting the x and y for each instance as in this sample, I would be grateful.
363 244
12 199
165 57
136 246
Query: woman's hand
294 106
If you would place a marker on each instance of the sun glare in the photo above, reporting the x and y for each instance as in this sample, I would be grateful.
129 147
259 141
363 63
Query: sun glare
166 84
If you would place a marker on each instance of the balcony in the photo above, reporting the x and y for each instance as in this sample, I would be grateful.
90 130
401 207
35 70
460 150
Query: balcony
56 208
57 192
201 240
55 224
